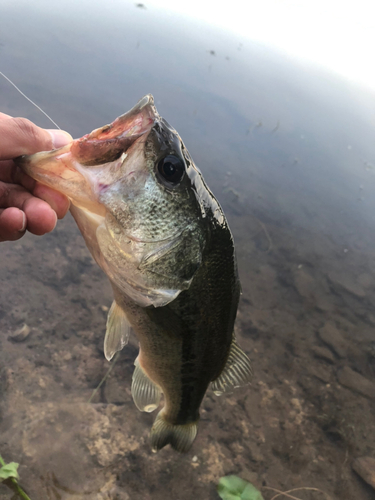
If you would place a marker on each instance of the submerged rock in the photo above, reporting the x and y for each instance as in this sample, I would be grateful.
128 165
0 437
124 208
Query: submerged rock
319 372
365 468
20 334
356 382
344 281
333 338
323 353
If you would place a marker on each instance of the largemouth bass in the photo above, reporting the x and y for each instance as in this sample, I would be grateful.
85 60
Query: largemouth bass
154 227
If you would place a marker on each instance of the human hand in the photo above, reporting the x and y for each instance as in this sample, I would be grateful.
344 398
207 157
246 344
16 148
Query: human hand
24 203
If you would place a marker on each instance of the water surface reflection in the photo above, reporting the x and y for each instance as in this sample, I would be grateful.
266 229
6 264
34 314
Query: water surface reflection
289 152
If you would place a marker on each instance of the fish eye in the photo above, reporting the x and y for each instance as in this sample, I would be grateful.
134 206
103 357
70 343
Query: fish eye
171 170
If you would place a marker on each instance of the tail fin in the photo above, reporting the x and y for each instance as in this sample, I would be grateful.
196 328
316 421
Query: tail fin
180 437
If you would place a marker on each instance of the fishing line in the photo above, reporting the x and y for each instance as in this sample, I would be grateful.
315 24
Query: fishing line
105 376
32 102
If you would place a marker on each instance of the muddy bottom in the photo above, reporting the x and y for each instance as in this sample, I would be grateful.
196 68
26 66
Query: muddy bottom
305 319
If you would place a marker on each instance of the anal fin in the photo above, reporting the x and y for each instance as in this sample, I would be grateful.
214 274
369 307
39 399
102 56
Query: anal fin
117 332
236 373
146 394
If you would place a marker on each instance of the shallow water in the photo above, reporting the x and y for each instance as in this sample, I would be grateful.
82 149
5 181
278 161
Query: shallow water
289 152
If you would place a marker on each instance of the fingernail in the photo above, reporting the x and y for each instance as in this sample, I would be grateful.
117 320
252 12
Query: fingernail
59 138
55 221
24 221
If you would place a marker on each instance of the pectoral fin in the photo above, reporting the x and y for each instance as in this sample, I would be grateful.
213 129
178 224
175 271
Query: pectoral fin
146 394
117 332
237 371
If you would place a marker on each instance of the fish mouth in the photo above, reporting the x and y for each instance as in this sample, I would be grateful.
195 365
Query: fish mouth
75 168
107 143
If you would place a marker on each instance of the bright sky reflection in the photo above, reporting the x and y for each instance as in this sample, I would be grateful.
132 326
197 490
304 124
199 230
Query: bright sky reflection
337 34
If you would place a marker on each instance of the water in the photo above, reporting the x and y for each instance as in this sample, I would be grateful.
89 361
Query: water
288 150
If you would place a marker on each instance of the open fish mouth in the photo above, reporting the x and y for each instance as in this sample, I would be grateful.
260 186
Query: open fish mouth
75 169
108 143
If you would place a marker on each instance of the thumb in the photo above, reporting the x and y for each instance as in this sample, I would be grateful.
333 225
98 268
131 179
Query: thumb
20 136
59 138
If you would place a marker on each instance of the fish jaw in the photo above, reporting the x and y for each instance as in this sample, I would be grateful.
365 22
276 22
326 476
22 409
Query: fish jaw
84 168
57 169
107 143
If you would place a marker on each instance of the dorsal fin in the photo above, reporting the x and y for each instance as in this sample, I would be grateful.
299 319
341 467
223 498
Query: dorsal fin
236 373
117 332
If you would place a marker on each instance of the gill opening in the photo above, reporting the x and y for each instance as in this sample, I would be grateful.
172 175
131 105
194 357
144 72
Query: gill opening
32 102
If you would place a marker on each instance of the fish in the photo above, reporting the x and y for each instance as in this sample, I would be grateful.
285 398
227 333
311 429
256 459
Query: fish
154 227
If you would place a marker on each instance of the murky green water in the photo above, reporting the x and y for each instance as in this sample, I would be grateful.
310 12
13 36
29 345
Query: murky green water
289 152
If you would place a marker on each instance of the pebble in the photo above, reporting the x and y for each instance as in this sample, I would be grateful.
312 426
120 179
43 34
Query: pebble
319 372
311 289
323 353
349 285
20 334
333 338
356 382
365 467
